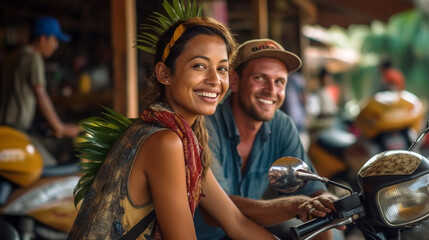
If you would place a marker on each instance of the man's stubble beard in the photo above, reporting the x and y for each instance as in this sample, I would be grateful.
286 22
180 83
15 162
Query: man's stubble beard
253 113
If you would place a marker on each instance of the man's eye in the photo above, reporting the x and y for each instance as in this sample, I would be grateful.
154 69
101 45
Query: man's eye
258 78
280 82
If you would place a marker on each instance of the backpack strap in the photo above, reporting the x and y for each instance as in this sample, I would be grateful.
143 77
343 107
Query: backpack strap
139 227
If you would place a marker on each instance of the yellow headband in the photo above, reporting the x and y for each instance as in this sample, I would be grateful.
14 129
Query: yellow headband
177 33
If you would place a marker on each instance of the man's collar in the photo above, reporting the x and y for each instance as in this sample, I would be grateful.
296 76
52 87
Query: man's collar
231 125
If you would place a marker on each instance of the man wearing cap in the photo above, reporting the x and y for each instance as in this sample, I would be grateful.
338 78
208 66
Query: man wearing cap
248 133
23 85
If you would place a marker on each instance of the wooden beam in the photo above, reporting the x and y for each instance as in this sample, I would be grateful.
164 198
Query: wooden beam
131 57
260 9
125 88
347 12
118 45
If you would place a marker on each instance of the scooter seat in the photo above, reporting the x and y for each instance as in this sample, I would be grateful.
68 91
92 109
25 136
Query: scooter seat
335 140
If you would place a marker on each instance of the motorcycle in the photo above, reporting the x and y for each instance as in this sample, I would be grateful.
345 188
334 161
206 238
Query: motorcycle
387 121
36 202
392 202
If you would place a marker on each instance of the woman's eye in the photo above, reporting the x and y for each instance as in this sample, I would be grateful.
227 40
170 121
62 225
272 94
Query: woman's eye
199 66
223 69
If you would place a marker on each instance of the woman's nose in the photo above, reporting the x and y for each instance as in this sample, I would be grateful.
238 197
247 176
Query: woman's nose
213 77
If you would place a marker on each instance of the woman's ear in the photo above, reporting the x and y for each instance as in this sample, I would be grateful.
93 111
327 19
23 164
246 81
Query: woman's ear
233 80
162 73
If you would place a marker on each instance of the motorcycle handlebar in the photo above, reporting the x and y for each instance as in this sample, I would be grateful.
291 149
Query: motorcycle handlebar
306 228
315 227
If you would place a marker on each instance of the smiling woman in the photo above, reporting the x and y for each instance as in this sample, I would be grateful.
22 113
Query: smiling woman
160 164
200 77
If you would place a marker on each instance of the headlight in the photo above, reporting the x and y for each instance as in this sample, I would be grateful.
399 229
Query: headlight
404 203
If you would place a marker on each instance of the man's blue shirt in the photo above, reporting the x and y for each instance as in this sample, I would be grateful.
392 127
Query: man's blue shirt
276 138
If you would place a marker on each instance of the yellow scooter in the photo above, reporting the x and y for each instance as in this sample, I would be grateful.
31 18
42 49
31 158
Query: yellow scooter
35 202
387 121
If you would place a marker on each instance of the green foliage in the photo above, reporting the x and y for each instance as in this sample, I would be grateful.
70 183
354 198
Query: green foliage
158 22
403 39
100 133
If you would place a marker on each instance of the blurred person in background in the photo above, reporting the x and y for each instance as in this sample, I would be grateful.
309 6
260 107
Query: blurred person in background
392 78
23 86
322 104
295 102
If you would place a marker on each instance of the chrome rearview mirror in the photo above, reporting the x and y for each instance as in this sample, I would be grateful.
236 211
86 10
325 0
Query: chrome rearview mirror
289 174
282 175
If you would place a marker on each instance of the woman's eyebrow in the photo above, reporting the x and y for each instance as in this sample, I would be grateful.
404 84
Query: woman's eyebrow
208 59
203 57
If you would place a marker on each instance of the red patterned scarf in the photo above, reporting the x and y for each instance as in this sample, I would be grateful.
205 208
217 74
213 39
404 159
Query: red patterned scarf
161 114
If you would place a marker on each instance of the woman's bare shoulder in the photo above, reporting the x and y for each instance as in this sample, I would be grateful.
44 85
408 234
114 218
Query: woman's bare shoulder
164 138
164 146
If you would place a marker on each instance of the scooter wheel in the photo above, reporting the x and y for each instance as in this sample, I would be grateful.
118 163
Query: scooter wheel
7 231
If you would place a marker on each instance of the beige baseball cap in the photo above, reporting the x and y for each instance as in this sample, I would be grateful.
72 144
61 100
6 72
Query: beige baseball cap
258 48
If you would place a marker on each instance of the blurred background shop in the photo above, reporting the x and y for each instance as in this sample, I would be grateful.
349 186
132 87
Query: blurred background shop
100 63
347 39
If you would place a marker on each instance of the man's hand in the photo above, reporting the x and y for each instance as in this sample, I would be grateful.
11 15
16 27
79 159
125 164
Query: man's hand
317 207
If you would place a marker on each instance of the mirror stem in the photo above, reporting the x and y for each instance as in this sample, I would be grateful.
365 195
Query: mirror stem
341 186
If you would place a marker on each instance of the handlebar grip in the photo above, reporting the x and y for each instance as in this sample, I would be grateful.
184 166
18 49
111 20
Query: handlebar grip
311 226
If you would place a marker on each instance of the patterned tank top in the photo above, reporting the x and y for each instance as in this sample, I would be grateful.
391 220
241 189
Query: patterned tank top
107 211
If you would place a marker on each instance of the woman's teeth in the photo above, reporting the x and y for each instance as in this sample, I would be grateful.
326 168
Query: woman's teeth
207 94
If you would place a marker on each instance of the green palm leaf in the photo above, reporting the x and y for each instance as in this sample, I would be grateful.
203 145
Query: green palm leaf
100 133
158 22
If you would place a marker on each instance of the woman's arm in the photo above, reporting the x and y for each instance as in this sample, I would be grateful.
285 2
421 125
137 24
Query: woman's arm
223 210
164 168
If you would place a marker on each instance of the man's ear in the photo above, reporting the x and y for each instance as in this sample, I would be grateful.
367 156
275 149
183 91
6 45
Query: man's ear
162 73
233 81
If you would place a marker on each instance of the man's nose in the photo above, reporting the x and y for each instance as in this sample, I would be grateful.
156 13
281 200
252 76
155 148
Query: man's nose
269 86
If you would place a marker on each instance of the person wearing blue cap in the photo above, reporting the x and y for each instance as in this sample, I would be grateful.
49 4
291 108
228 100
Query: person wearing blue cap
50 26
23 85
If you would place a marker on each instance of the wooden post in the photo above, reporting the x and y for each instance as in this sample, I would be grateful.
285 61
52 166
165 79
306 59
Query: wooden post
123 20
260 8
131 57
